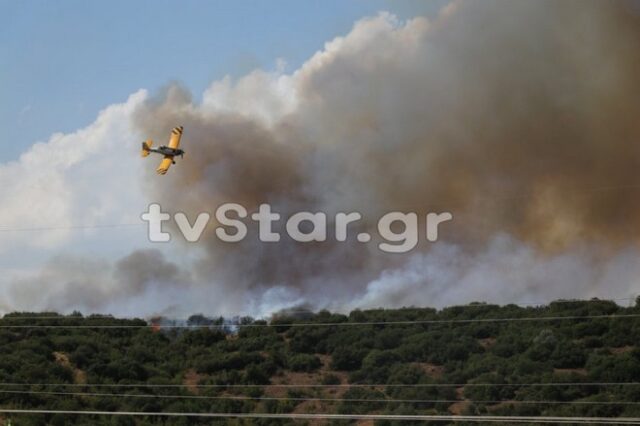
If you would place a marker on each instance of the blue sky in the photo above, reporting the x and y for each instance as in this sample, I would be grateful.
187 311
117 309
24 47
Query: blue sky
62 62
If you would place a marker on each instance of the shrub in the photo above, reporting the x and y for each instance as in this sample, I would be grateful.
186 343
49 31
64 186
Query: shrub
304 362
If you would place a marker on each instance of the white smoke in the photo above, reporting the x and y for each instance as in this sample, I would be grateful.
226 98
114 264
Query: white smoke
505 271
519 117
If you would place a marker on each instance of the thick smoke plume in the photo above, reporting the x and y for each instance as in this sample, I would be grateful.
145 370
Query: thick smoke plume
74 282
519 117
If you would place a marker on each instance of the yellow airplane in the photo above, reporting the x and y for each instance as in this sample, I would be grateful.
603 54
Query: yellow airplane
169 152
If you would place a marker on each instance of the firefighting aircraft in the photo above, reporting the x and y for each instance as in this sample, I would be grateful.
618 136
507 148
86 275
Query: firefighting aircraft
169 152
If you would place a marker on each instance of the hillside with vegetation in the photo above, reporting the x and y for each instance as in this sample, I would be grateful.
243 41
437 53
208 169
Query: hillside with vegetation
473 359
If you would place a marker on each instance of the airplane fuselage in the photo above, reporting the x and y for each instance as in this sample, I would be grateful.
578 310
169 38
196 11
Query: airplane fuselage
165 150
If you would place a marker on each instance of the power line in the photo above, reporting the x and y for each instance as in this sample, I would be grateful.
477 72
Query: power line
551 302
268 398
583 191
309 416
322 385
285 312
326 324
70 227
586 191
13 316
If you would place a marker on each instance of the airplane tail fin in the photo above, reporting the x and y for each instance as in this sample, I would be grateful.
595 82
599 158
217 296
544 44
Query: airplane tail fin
146 147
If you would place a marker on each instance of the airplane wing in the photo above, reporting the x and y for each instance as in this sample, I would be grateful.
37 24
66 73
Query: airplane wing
165 164
176 134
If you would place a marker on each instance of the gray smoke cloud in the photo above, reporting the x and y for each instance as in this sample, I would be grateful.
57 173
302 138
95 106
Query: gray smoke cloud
519 117
68 283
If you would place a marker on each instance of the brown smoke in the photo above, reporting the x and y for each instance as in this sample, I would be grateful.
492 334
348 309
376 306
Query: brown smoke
519 117
69 283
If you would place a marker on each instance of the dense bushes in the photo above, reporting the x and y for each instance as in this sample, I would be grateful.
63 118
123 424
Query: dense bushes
347 358
304 362
484 355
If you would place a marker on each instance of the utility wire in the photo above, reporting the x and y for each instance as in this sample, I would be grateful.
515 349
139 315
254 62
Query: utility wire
586 191
286 312
311 385
268 398
305 416
71 227
156 326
